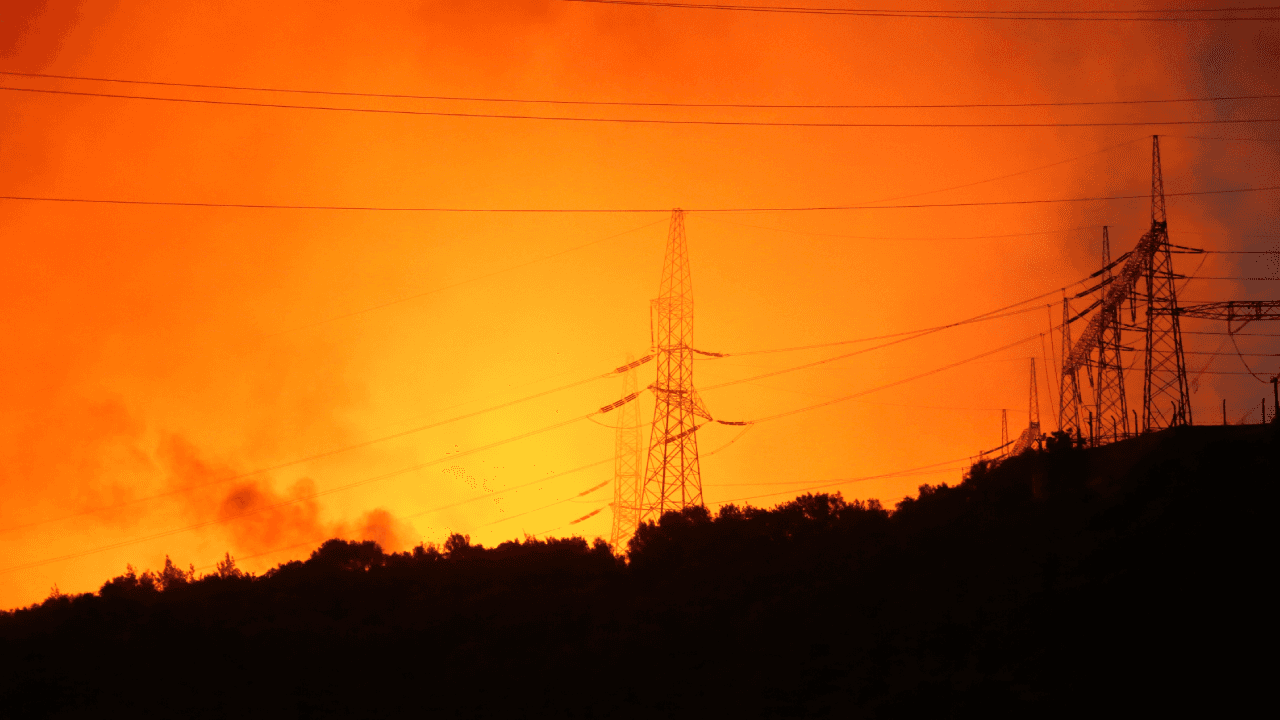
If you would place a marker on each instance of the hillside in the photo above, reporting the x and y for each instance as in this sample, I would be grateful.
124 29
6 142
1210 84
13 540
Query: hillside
1063 580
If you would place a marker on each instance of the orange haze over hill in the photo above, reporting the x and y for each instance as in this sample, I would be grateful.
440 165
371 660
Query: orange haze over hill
150 350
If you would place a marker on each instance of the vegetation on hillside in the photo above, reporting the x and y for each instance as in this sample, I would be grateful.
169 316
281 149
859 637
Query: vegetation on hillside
1063 580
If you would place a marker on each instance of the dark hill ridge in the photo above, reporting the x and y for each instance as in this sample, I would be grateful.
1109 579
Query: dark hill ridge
1128 577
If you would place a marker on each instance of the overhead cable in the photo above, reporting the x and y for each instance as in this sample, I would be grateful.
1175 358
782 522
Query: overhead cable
1106 15
297 499
635 103
284 503
336 451
1003 312
552 211
584 493
588 515
629 120
900 238
895 383
504 491
836 483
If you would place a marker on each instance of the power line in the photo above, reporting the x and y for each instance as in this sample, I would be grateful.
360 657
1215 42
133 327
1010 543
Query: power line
895 383
321 455
1021 15
548 211
504 491
294 500
1013 174
864 478
641 121
586 492
1228 354
1226 139
635 103
1238 334
911 335
432 510
810 482
900 238
1002 312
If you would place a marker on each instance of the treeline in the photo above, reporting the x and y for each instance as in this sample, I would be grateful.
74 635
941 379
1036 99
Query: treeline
1059 581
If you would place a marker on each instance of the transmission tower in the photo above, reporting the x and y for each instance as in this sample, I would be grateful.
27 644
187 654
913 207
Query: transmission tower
1033 409
1111 407
1069 381
671 478
1031 435
1004 430
1166 400
627 465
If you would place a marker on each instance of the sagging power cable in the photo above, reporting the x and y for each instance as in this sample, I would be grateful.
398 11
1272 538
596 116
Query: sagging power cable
297 499
895 383
336 451
998 313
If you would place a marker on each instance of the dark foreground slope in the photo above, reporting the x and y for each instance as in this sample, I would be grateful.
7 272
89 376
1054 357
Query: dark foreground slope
1126 577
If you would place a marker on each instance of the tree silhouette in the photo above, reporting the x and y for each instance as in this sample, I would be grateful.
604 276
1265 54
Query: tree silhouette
984 596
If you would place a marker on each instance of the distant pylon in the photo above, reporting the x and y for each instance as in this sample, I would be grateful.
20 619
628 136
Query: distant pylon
1033 410
1112 414
672 480
1069 381
1031 436
1166 399
1004 431
627 466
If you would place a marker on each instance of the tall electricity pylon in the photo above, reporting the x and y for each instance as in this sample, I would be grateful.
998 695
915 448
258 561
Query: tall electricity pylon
1112 414
672 480
1166 399
1069 381
1033 409
627 466
1031 436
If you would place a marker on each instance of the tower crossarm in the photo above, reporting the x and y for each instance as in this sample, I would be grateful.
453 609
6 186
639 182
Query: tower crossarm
1232 310
1120 289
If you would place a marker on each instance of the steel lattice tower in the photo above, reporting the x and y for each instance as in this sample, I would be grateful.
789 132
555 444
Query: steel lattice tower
1069 381
1111 404
1166 399
672 480
1033 407
627 466
1031 436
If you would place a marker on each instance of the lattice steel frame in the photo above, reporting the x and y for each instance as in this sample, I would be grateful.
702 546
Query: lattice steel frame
1031 436
1166 397
672 479
1069 381
627 466
1111 403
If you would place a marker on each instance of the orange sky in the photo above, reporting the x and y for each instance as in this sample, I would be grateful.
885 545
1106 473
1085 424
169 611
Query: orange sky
150 349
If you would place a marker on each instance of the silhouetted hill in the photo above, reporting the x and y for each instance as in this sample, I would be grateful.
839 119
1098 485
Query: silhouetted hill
1127 578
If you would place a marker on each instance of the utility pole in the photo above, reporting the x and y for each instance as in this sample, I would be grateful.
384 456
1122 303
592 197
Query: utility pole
627 465
1165 382
1004 431
672 480
1110 387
